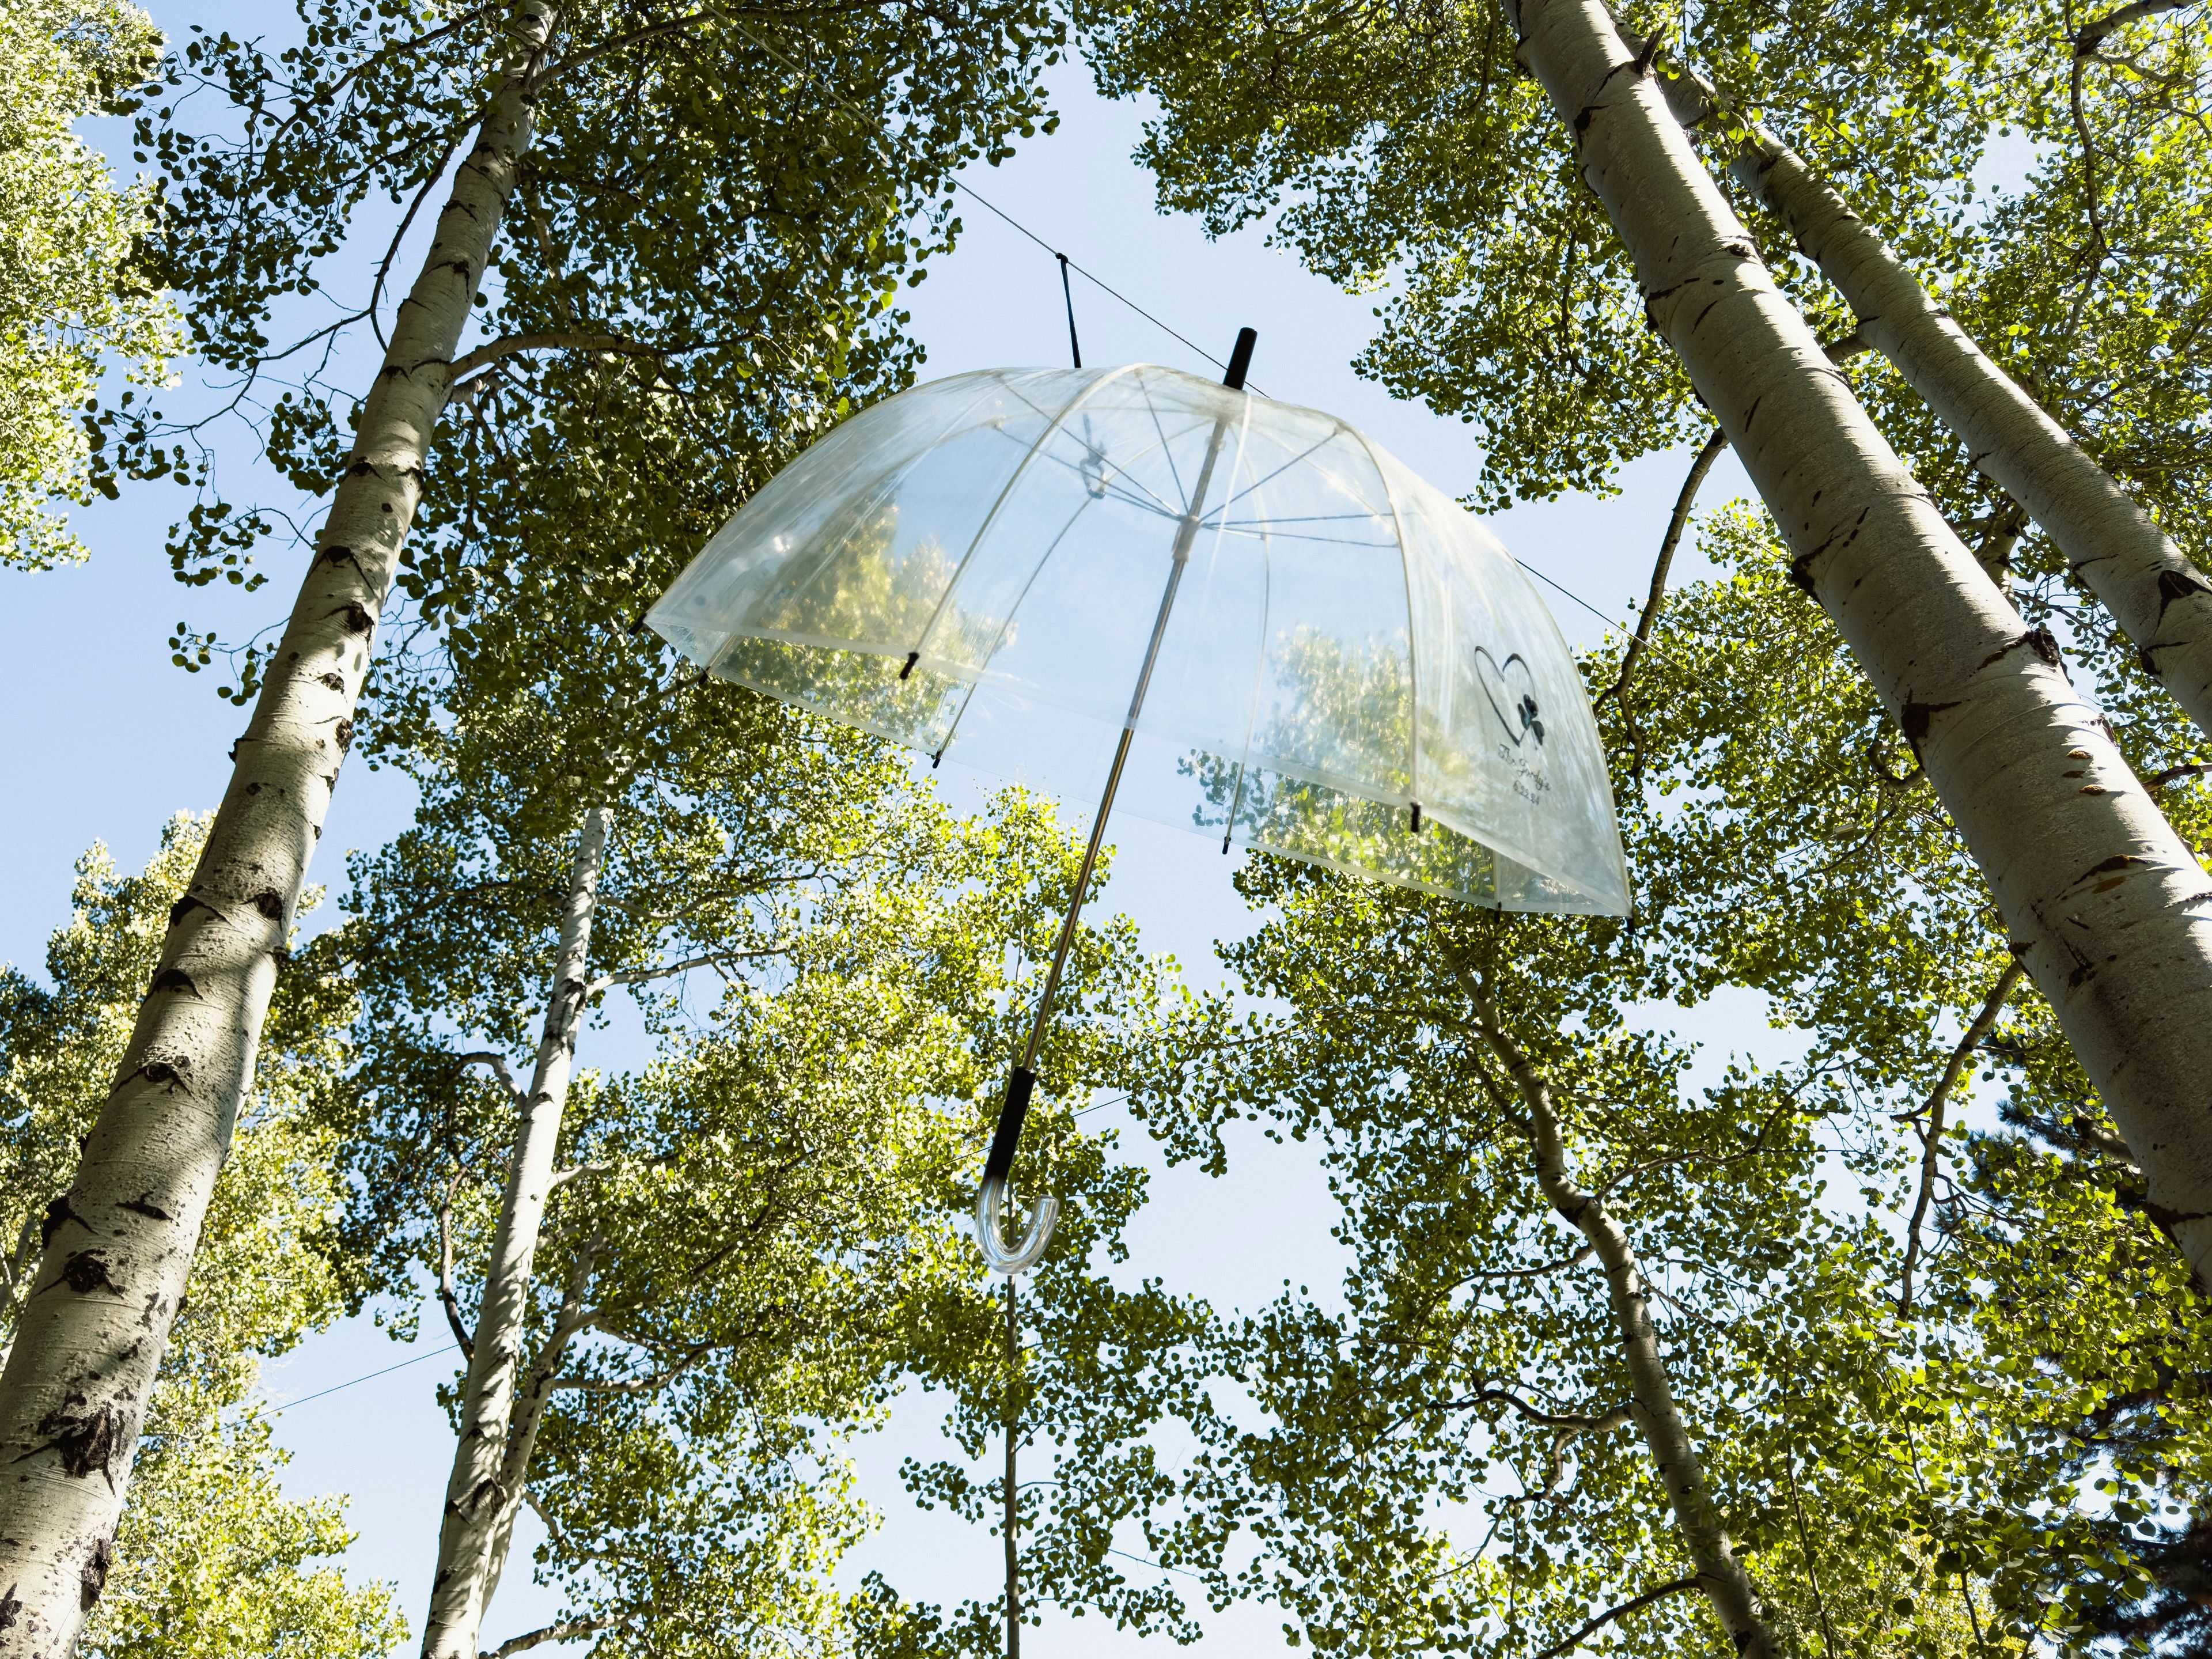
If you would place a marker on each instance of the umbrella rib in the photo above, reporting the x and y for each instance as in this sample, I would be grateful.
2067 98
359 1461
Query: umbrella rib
1032 404
1305 536
1166 450
1006 622
1270 477
1413 632
883 487
991 517
1302 517
1151 503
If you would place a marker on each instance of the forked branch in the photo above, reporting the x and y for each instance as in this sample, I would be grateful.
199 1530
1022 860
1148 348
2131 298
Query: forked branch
513 345
2093 34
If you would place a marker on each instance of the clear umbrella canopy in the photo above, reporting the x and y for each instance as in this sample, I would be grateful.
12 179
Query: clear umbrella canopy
1317 653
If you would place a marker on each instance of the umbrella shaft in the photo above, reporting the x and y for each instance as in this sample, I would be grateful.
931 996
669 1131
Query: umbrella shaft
1075 906
1185 533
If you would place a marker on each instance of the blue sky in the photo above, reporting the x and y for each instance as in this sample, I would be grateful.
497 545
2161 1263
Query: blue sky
105 739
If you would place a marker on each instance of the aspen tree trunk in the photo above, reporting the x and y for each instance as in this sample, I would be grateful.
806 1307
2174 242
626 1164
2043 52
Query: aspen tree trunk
483 1487
2162 601
1721 1577
529 1417
120 1243
2108 908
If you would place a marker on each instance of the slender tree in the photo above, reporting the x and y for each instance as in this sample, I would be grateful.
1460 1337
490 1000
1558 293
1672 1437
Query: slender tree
2160 599
1061 1395
215 1561
635 122
734 1231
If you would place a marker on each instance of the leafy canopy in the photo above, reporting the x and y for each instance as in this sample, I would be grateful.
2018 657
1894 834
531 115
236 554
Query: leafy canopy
74 296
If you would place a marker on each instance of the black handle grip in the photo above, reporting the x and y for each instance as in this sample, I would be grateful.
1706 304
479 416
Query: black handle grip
1011 1116
1240 359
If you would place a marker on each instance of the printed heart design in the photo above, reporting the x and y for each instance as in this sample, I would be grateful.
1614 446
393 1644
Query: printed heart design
1511 689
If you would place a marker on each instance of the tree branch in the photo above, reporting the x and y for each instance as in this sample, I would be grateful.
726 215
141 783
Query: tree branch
567 1631
2159 780
1581 1258
651 1383
1675 1588
1572 1423
406 221
669 970
615 43
1683 501
1932 1131
497 1063
534 217
1841 351
513 345
2094 32
734 16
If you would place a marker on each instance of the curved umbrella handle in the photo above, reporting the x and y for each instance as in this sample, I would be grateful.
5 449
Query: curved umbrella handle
998 1255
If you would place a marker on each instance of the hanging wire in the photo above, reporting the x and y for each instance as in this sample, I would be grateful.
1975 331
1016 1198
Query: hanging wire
1099 282
1068 265
370 1377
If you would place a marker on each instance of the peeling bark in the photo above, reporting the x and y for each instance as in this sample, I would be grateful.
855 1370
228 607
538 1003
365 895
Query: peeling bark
84 1359
2108 909
1720 1576
2162 602
485 1486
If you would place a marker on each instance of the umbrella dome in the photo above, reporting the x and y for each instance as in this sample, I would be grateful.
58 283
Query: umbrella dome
1347 667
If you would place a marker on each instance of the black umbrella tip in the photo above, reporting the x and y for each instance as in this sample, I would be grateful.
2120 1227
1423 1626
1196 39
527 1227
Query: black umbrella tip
1240 359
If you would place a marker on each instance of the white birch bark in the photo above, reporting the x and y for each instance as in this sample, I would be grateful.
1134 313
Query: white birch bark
483 1490
2162 601
529 1417
2111 912
119 1243
1721 1577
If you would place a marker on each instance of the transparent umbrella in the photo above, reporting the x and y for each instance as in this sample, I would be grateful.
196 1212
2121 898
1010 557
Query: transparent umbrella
1246 618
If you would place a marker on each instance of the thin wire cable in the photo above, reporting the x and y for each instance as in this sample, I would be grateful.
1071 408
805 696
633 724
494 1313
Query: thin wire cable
1099 282
337 1388
1160 1566
866 114
1650 646
1602 616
